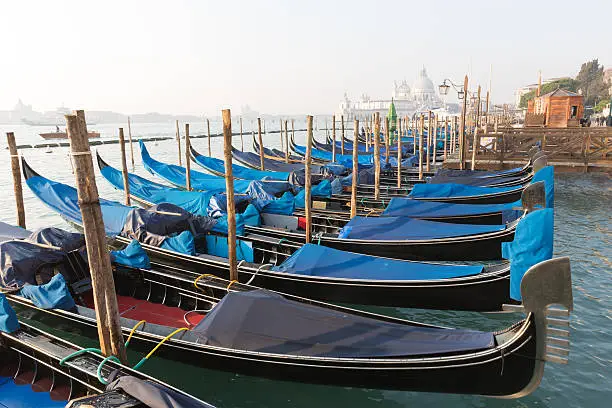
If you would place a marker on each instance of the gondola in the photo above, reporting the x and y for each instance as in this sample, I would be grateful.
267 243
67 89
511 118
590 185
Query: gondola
38 369
149 193
237 328
507 181
393 237
404 283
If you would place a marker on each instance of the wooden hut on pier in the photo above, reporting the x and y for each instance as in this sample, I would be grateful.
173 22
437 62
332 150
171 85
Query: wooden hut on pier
557 109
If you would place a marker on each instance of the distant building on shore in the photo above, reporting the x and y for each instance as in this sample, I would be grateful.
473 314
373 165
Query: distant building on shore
518 94
422 96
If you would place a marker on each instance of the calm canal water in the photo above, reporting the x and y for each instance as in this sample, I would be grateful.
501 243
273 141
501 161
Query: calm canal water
583 231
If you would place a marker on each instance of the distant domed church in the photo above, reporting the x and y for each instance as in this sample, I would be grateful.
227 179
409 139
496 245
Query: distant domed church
422 96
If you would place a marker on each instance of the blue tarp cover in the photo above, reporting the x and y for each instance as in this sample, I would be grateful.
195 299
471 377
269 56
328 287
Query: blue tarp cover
317 260
547 175
408 207
206 182
278 325
51 295
8 318
533 243
22 261
454 190
18 396
63 199
345 160
132 255
218 166
196 202
403 228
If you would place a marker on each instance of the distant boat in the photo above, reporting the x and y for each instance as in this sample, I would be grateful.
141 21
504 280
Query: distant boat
64 135
35 123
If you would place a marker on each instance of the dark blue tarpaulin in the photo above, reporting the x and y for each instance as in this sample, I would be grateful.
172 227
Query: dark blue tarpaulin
455 190
403 228
408 207
270 323
317 260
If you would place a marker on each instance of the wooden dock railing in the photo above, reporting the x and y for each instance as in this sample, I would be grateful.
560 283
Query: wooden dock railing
575 147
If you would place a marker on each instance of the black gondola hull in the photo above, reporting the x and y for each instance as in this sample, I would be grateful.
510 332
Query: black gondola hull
503 371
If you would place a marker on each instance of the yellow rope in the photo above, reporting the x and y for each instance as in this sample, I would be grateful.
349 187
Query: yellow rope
141 362
195 282
230 284
137 325
165 339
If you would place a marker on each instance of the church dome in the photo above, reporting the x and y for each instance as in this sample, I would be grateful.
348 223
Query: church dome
423 88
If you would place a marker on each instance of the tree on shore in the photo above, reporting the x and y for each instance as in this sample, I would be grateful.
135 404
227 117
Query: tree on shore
589 81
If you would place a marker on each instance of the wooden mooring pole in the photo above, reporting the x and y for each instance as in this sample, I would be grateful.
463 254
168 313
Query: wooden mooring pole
131 144
280 134
261 146
387 140
287 141
16 169
124 170
355 168
462 125
429 125
229 190
434 138
399 153
308 181
376 156
474 148
445 136
187 159
178 142
103 285
421 129
208 127
241 138
342 125
414 137
334 138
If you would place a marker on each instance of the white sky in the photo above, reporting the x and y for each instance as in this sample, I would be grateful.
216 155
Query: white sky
281 56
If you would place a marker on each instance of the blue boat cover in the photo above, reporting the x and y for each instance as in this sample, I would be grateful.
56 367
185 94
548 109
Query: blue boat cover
454 190
196 202
132 255
218 166
279 325
533 243
63 199
51 295
66 240
403 228
408 207
21 261
8 320
317 260
345 160
200 181
547 175
183 243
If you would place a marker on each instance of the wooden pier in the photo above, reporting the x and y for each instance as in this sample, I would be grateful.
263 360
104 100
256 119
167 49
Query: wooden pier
579 149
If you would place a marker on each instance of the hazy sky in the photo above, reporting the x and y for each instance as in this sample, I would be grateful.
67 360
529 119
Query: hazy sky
281 56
